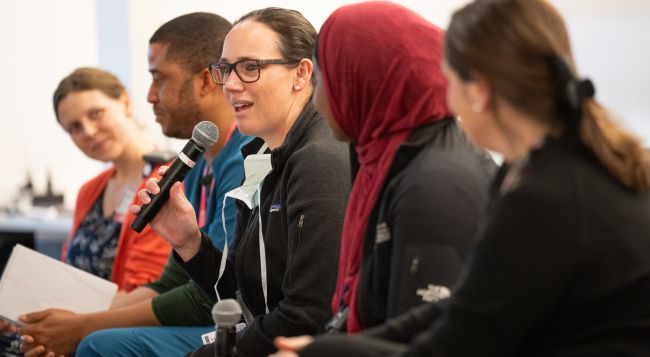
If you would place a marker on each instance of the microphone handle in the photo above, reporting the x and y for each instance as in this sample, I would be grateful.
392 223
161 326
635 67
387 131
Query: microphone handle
225 341
176 173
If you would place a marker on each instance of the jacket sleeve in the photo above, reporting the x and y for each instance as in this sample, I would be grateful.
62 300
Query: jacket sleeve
196 308
432 218
402 328
517 275
175 289
203 269
171 277
317 193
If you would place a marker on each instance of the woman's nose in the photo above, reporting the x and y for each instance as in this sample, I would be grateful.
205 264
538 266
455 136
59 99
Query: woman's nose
89 129
233 83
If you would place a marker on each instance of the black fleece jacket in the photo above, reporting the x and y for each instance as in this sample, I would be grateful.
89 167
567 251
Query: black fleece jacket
422 225
302 202
561 269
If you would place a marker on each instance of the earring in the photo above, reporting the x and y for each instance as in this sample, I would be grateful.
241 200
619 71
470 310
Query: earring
477 108
296 87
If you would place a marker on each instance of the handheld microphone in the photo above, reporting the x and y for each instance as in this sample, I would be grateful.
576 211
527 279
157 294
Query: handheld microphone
226 314
204 135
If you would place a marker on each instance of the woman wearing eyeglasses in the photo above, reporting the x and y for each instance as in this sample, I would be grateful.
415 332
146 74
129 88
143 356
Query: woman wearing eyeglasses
283 261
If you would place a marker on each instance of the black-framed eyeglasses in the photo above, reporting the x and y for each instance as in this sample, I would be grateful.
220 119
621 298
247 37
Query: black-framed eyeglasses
248 70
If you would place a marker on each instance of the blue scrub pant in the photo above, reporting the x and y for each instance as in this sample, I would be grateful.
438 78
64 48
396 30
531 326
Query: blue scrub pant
143 341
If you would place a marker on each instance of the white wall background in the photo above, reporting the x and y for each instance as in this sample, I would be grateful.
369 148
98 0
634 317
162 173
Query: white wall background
42 41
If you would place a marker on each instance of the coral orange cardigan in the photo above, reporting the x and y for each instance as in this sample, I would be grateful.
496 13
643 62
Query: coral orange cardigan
140 257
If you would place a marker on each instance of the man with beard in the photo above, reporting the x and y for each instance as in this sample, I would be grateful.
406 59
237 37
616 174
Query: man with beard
182 93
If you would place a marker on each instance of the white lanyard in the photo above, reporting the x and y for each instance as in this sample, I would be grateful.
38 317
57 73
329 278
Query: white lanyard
263 261
249 193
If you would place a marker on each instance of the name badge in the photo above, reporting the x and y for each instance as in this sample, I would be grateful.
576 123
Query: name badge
211 337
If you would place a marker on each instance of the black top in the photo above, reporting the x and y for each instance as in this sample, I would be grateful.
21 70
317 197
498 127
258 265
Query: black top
562 268
302 203
419 233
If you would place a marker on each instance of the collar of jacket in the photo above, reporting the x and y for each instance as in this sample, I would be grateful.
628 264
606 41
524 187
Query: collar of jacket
419 137
279 155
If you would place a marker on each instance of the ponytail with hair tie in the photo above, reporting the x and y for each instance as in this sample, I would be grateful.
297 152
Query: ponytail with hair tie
588 122
570 92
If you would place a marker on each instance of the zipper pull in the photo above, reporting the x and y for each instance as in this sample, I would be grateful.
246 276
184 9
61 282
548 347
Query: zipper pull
415 265
300 221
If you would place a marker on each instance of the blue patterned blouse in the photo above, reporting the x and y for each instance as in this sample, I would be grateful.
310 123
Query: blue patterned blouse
93 246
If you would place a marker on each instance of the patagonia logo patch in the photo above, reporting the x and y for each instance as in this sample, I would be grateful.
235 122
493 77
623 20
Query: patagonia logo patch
275 207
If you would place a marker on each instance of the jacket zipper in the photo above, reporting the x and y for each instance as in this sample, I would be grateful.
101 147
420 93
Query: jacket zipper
289 272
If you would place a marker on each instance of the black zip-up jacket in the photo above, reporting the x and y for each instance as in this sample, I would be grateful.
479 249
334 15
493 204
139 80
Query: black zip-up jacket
303 203
561 269
420 232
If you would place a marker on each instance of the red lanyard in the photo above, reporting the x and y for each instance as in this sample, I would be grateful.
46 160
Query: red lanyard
205 193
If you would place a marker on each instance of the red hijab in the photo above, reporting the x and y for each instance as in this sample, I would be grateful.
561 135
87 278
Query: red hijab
380 66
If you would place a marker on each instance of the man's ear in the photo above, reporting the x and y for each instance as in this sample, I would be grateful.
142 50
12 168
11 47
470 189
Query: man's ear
207 84
304 71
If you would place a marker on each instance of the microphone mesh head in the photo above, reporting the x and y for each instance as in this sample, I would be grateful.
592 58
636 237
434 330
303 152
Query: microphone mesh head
205 134
226 312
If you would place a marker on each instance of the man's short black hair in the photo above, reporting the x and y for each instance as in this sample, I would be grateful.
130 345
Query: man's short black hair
194 40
